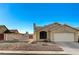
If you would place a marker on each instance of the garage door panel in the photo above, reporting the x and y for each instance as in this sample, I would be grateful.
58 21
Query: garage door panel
63 36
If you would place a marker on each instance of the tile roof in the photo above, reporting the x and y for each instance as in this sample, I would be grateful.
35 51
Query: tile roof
3 28
14 31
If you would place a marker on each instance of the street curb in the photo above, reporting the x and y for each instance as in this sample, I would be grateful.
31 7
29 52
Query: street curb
34 52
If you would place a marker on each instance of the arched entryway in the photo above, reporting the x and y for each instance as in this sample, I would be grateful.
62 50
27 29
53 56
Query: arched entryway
43 35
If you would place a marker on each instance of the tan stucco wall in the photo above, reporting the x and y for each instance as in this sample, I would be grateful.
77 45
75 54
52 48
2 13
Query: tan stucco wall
35 36
18 37
76 37
78 34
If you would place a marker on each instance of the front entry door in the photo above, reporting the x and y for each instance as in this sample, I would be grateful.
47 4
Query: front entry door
43 35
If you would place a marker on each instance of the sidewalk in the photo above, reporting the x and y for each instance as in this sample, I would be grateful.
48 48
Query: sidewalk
33 52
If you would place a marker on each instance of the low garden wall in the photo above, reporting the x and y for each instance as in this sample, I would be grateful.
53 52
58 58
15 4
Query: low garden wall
16 37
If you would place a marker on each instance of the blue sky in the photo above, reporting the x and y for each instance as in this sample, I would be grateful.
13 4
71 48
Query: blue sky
22 16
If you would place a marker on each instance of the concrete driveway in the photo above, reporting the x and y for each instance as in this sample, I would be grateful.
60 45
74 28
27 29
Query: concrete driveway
69 47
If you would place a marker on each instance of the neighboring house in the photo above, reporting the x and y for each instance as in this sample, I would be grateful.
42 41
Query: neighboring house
55 32
6 34
3 29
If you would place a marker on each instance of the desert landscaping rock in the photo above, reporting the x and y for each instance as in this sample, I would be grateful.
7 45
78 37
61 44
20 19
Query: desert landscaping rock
30 47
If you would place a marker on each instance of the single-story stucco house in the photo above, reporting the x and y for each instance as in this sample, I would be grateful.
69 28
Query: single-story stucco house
55 32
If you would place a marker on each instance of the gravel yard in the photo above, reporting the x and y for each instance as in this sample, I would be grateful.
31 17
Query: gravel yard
23 46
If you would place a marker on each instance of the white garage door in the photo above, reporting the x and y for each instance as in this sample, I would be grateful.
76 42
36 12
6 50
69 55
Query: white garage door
64 37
